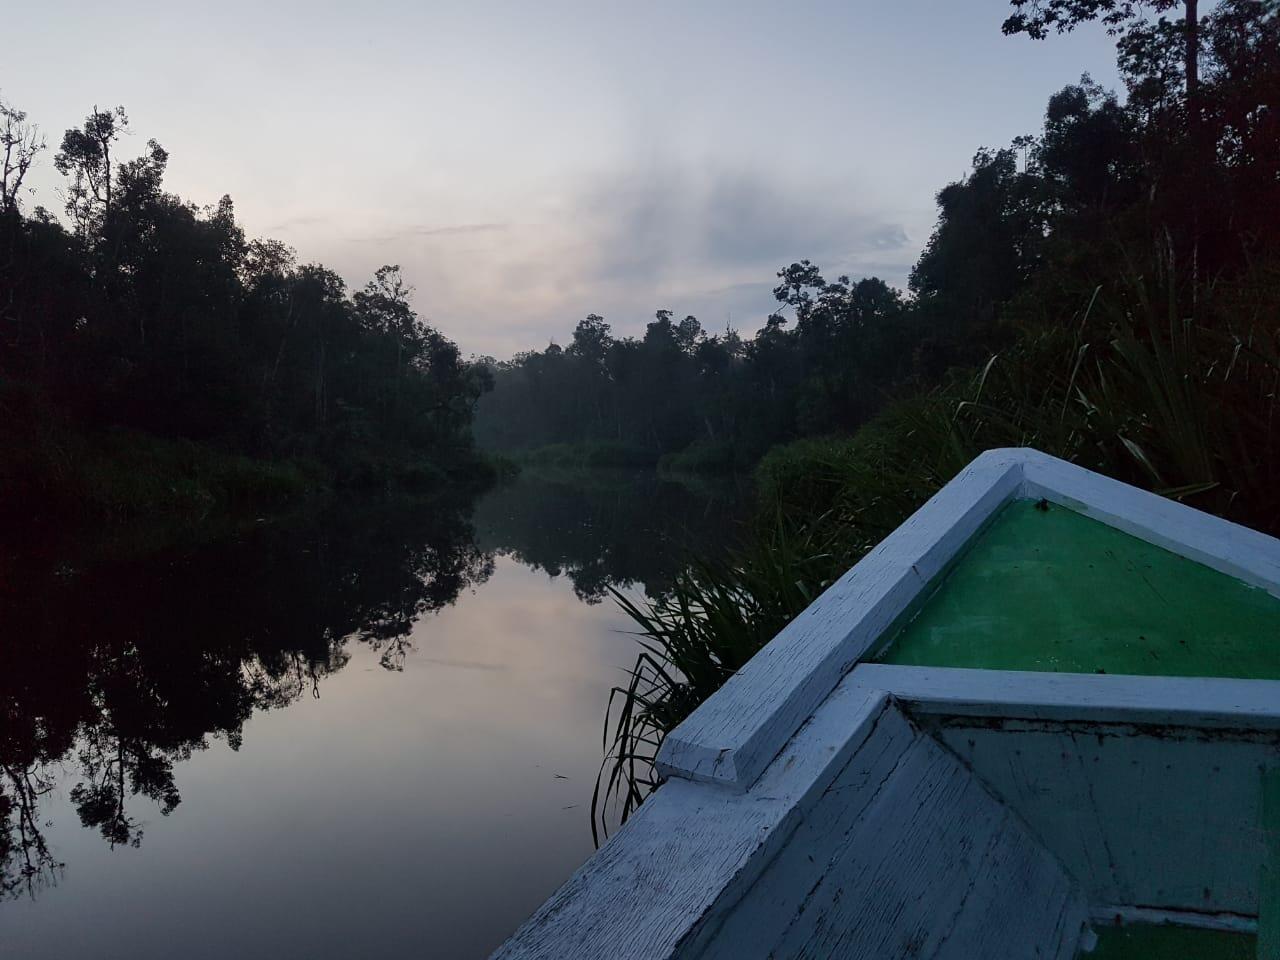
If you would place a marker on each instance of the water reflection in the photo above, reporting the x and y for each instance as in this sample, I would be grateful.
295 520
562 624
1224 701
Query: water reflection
121 669
118 674
605 528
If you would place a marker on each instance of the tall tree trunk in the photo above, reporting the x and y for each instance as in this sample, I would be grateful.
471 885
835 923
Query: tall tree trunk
1201 155
320 405
1192 52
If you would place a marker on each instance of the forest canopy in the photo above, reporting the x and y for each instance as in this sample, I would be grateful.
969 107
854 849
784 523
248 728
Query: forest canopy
136 314
147 314
1168 190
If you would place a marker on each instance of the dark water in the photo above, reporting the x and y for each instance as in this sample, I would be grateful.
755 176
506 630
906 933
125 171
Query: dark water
373 733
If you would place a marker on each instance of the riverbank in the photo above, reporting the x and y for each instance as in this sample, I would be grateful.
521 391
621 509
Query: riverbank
697 458
129 485
124 474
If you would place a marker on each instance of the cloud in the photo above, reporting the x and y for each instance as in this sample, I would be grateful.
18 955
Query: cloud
293 223
411 232
752 220
679 229
890 237
461 228
701 238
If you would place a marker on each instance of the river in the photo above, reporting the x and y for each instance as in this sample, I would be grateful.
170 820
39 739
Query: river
370 732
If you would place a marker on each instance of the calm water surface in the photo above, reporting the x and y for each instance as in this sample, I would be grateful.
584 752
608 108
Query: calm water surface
371 734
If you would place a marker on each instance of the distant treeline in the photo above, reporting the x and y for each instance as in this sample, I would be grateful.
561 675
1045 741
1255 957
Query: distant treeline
148 321
1176 186
715 396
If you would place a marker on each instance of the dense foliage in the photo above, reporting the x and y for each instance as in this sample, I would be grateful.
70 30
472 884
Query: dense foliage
1107 291
1172 188
152 315
678 388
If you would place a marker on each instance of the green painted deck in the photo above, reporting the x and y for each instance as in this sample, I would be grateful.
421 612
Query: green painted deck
1052 590
1170 943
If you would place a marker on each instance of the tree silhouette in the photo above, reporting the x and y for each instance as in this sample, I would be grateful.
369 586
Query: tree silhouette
157 315
20 142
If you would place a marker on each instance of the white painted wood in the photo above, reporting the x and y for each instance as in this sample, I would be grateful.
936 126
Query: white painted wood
1146 788
1218 544
734 735
905 855
1169 822
693 849
1227 922
1199 702
848 832
853 826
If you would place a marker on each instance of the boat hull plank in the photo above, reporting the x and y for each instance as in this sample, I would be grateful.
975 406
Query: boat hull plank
822 806
1166 821
693 849
733 736
906 855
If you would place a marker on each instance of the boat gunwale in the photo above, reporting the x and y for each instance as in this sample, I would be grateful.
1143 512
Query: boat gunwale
735 734
693 849
1201 703
778 732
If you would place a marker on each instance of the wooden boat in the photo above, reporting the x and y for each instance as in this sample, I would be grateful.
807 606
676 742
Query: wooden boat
1041 719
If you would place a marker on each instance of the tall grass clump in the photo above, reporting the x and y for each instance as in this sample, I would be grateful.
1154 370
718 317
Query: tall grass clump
694 637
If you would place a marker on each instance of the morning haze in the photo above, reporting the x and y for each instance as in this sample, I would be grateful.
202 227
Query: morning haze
416 417
529 164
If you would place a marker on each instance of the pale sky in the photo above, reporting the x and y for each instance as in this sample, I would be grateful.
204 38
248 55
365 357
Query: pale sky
528 163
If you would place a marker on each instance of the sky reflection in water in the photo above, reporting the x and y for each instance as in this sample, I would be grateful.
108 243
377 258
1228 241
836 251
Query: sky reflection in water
421 810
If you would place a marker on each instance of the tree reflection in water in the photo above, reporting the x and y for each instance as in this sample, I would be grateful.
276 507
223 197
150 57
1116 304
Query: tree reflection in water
112 672
117 665
609 528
